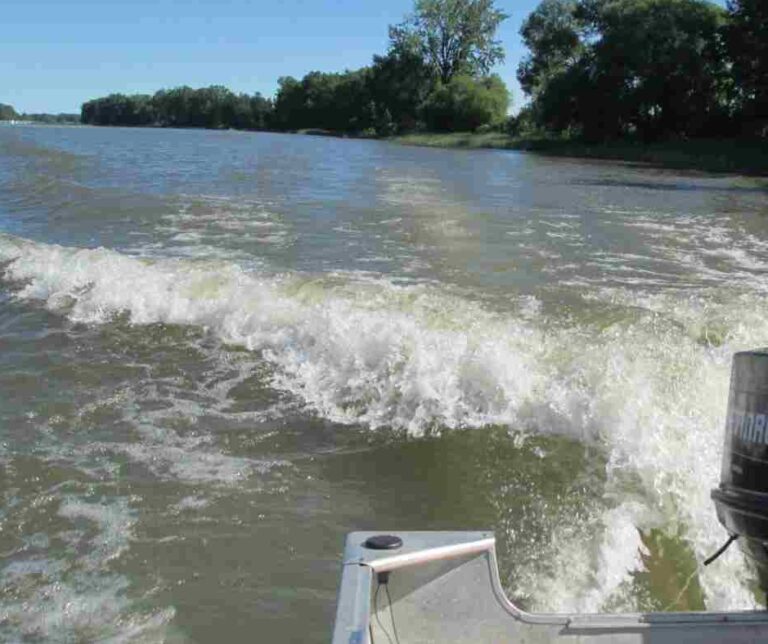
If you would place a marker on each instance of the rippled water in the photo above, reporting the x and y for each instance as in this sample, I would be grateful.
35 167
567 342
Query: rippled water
222 351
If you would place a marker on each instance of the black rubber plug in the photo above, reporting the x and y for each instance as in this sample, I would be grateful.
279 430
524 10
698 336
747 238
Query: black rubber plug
383 542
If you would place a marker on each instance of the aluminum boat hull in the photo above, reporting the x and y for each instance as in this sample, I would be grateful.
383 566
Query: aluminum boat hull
445 587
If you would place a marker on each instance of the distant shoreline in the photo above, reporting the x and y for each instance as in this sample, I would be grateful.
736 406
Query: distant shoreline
708 155
721 156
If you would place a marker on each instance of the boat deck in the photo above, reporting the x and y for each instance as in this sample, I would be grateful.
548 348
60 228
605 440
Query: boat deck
445 587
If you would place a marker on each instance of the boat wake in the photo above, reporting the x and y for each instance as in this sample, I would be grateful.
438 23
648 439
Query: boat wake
649 388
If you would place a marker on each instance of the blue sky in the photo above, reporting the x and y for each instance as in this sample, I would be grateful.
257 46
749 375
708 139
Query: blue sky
56 54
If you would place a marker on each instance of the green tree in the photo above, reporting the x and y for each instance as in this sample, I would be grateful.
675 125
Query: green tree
552 33
399 84
336 102
452 36
747 36
350 111
211 107
139 110
119 109
466 103
290 109
612 68
663 64
173 107
261 111
7 113
320 93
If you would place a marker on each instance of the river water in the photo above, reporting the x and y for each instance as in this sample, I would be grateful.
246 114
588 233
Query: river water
222 351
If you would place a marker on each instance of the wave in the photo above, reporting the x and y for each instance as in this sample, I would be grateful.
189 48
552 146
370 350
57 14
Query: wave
649 388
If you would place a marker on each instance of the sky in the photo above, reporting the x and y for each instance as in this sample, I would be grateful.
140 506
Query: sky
54 55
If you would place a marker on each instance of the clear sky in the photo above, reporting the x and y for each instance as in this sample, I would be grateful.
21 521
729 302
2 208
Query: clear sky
55 54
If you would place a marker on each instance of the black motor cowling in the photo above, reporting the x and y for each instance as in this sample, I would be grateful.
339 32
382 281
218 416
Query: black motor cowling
742 497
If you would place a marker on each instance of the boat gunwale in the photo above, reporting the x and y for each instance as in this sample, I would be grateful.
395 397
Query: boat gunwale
361 565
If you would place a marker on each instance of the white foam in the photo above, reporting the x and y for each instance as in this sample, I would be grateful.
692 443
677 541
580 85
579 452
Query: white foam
416 358
588 564
191 503
114 522
220 218
716 250
79 599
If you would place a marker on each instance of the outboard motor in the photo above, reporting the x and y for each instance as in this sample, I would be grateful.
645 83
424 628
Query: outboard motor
742 498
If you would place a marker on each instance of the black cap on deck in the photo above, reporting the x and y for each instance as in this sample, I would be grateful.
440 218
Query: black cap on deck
383 542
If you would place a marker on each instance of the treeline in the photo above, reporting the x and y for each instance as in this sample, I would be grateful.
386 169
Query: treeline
435 75
385 99
373 100
8 113
648 69
208 107
62 118
597 70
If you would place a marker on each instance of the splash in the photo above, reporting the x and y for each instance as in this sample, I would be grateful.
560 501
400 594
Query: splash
648 388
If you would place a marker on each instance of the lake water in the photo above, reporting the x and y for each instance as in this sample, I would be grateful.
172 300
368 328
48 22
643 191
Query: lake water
221 351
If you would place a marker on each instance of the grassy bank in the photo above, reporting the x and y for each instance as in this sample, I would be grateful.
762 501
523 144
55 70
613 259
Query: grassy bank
743 157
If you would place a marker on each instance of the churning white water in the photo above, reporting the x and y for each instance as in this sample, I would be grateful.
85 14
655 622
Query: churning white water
603 311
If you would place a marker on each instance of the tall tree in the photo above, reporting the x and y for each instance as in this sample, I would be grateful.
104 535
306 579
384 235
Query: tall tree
552 34
611 68
466 103
290 108
399 84
452 36
748 47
